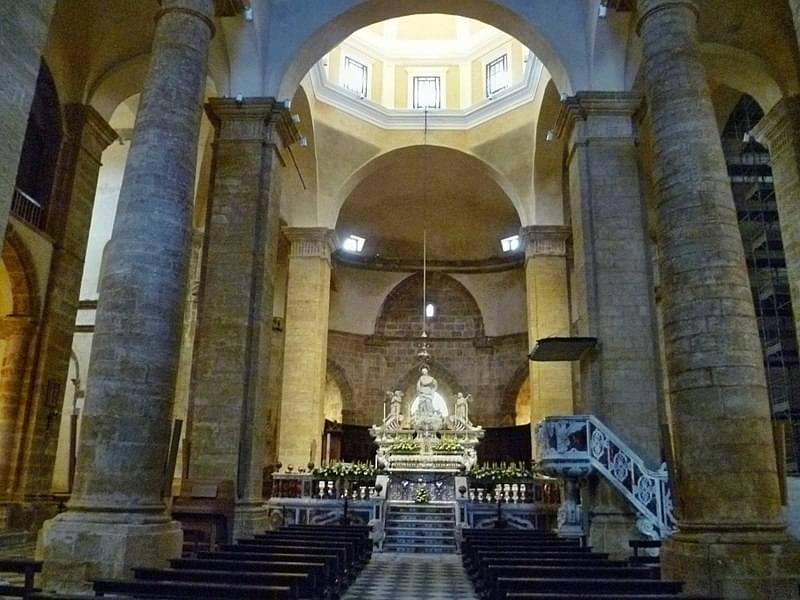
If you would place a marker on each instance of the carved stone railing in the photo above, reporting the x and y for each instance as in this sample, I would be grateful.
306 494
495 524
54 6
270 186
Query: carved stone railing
577 446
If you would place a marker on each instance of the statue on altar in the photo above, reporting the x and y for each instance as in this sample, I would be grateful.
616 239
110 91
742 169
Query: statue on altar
429 401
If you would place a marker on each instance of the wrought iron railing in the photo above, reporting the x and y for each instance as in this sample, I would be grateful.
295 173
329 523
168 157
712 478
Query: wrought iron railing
577 446
27 209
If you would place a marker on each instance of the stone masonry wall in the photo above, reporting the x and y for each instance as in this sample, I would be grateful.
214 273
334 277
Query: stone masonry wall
462 358
23 31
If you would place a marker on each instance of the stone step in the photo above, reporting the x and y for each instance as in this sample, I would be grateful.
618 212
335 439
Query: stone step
415 523
421 535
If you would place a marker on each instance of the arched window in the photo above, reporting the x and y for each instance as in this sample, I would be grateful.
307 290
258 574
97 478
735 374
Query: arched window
37 164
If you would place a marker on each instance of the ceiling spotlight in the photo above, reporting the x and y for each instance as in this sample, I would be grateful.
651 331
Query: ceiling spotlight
602 12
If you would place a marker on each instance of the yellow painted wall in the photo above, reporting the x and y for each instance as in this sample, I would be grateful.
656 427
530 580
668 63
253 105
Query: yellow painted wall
400 87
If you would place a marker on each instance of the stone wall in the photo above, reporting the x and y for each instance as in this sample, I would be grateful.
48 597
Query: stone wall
22 36
462 358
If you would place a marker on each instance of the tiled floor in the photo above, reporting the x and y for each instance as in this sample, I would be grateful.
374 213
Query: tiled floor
412 577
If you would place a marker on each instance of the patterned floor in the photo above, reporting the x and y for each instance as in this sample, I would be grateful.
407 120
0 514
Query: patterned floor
412 577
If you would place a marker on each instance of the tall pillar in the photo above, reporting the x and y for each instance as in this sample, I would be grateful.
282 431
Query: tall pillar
612 292
795 6
23 33
87 135
116 518
779 131
548 315
306 346
731 541
230 371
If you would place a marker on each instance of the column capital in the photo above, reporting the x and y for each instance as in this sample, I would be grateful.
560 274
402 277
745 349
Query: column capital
585 106
203 10
252 120
310 242
86 127
647 8
785 114
545 240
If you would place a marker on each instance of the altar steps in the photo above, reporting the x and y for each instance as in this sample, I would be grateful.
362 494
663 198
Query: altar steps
420 528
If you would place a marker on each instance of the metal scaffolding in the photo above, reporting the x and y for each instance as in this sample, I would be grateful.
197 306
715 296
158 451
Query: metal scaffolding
754 194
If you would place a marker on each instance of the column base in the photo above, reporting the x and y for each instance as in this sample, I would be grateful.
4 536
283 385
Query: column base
249 519
77 547
27 515
734 565
611 532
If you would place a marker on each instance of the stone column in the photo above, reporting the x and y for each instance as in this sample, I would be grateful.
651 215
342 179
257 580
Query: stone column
17 333
731 541
613 300
87 135
22 37
612 292
230 370
116 518
548 315
306 346
779 131
795 6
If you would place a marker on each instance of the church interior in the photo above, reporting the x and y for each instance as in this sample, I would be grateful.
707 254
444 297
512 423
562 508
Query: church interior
400 299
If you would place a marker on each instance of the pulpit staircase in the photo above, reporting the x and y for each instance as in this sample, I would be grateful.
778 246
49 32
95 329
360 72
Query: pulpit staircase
422 528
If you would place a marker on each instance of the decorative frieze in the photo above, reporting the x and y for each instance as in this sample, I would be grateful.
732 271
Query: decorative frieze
545 240
310 242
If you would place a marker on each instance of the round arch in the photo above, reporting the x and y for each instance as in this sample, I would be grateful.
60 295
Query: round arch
516 398
394 155
21 271
742 71
553 30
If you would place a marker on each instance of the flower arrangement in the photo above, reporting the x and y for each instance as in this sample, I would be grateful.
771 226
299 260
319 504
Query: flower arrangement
505 472
405 447
422 495
353 471
448 445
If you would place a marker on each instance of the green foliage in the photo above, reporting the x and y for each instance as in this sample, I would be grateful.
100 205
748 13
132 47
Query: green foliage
405 447
342 470
422 496
504 472
448 445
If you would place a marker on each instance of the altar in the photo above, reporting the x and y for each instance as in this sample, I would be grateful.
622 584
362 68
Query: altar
424 445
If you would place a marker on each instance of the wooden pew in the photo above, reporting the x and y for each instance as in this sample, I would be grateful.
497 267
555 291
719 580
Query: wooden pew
21 566
333 561
205 510
173 589
302 585
324 578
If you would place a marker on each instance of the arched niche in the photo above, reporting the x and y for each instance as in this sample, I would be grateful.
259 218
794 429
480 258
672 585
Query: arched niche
457 314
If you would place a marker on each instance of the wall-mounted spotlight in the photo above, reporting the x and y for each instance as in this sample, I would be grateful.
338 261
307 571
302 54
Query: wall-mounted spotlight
550 136
303 141
239 99
248 13
287 104
564 97
296 119
602 11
